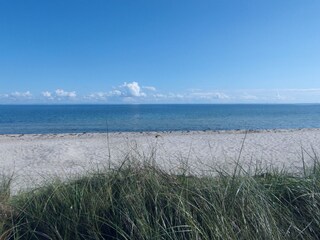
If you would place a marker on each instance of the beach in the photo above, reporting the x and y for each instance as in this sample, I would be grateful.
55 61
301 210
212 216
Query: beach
34 158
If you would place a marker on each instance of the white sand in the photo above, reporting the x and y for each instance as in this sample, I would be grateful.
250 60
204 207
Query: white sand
35 158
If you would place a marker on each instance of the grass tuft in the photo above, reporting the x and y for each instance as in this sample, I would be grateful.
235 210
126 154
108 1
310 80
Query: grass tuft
144 202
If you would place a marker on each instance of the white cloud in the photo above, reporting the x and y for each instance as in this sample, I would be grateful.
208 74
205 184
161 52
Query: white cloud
97 96
220 95
209 95
47 94
168 96
159 95
104 95
150 88
116 93
132 90
26 94
16 96
127 92
62 93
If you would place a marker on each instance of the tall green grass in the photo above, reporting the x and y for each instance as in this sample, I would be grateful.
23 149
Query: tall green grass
141 201
5 209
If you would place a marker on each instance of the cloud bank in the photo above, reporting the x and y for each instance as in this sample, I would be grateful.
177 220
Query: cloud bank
133 92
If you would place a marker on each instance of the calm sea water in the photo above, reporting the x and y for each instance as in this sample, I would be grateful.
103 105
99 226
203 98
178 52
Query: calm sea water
20 119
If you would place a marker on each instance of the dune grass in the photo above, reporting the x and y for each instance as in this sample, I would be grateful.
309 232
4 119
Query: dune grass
141 201
5 209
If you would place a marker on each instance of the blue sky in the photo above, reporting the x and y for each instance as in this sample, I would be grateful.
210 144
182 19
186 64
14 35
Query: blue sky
159 51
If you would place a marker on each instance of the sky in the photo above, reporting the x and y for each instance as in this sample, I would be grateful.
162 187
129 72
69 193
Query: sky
159 51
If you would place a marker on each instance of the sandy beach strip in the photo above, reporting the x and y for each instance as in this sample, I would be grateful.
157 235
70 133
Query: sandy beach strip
34 158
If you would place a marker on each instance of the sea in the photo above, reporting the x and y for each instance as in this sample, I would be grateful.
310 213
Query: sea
41 119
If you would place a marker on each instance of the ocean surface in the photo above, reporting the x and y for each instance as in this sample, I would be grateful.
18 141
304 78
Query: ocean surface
36 119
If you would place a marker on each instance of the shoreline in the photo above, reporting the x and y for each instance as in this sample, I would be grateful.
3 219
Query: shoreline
33 158
227 131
